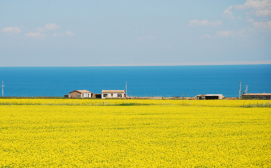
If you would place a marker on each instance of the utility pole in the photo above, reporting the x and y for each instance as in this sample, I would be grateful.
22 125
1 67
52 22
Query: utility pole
3 88
240 91
126 89
246 89
194 93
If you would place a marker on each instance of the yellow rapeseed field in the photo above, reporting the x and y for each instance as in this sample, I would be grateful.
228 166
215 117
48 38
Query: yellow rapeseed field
134 133
97 102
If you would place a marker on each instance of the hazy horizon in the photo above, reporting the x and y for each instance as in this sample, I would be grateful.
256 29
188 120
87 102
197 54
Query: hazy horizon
268 62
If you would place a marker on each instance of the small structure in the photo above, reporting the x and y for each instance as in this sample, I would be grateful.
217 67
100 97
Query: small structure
261 96
80 94
113 94
209 96
97 95
200 97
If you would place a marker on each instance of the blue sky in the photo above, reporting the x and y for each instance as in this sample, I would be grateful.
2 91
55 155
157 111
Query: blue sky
134 32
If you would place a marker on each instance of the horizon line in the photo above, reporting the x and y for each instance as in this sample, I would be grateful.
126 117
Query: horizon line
267 62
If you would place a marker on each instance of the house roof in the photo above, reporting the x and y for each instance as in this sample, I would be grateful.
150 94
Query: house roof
81 91
113 91
257 94
213 95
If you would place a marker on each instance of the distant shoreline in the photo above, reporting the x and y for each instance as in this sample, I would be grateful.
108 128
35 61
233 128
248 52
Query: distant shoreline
267 62
142 98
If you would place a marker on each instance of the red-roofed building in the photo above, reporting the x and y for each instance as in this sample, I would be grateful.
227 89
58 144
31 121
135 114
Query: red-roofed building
80 94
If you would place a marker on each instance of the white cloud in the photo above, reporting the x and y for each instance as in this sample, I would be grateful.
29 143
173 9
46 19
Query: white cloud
223 33
194 23
52 26
227 33
206 36
250 20
256 4
258 7
266 25
228 12
11 30
216 23
49 26
149 37
56 34
69 33
35 35
263 12
203 23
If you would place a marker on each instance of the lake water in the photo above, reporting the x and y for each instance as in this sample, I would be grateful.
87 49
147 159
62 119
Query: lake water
142 81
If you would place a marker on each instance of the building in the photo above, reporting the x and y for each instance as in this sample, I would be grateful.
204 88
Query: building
97 95
209 96
113 94
80 94
261 96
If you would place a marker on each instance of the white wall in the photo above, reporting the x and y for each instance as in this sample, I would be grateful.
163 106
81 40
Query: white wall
115 95
86 95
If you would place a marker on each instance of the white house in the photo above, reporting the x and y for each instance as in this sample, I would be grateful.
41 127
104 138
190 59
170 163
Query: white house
80 94
113 94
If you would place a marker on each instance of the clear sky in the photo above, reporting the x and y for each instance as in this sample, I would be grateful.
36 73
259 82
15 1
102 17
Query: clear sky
134 32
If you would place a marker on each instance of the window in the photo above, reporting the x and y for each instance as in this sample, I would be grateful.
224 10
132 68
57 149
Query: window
119 95
78 96
111 94
105 95
82 95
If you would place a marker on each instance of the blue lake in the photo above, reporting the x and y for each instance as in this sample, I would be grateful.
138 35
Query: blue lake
142 81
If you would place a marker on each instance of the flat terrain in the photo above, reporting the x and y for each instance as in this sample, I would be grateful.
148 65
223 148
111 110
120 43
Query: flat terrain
134 133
